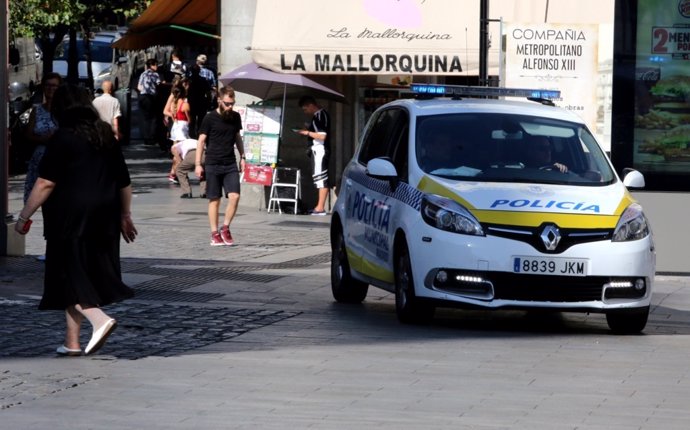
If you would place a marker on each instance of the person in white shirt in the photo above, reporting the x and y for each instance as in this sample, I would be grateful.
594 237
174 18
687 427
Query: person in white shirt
184 153
108 107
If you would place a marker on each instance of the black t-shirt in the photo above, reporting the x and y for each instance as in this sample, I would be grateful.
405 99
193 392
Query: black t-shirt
220 137
321 122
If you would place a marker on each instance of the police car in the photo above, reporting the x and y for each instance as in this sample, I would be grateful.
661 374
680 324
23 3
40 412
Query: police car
490 203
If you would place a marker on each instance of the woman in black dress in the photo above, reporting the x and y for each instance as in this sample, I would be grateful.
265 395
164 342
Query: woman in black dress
85 194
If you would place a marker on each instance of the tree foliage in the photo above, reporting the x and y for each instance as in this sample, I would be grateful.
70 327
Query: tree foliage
50 20
32 18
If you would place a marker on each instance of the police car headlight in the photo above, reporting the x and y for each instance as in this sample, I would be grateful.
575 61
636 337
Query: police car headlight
445 214
632 225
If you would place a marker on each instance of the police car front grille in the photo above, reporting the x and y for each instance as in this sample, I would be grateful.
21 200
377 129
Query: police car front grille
509 286
530 235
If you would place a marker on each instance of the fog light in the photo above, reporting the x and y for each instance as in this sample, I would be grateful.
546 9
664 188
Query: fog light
442 276
620 284
467 278
625 289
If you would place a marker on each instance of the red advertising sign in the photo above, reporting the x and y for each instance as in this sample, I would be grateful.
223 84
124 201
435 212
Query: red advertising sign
261 175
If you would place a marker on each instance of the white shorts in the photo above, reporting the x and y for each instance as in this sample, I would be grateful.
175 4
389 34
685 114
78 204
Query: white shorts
320 160
179 131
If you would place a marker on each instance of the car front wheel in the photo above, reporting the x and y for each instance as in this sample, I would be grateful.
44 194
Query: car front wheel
628 321
408 307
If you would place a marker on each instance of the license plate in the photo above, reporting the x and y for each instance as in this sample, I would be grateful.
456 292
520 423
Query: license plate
550 266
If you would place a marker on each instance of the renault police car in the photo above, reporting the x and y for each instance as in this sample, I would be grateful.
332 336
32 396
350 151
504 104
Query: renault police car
490 203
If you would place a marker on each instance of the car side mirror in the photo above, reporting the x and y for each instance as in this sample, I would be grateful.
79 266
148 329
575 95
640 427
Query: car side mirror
381 168
632 178
122 59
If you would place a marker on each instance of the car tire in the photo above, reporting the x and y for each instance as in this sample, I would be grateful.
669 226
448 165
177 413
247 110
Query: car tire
408 307
344 287
628 321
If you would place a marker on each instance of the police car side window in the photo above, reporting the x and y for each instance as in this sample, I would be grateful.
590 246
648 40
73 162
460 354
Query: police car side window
399 148
378 138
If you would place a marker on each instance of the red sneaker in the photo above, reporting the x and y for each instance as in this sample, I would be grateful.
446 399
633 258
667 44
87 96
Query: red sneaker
216 240
226 236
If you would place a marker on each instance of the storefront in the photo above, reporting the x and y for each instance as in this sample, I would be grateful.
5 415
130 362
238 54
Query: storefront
376 46
651 91
370 50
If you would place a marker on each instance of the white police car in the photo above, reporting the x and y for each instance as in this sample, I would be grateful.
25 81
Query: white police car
490 203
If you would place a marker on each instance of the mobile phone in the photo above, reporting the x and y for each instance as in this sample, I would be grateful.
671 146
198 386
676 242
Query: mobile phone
296 130
27 226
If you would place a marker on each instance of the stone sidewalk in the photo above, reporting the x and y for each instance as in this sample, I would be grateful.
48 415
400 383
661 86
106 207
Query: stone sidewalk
249 337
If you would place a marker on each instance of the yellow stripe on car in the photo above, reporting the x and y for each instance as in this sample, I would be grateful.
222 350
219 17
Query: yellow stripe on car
529 218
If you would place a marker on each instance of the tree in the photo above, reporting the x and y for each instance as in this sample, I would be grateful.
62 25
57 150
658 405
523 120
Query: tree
51 20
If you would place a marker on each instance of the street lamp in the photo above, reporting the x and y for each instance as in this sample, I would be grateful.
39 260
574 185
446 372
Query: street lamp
4 140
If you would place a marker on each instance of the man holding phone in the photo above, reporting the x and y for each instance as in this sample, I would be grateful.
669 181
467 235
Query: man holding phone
318 132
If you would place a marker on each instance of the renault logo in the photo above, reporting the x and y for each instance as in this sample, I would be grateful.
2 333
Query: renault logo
550 236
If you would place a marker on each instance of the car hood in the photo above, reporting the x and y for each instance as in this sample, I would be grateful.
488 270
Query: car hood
533 204
60 66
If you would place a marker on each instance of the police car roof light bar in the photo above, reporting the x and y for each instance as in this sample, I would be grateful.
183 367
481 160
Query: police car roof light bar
464 90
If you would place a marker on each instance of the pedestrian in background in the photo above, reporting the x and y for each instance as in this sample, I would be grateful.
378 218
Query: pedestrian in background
177 65
40 129
185 154
318 132
210 77
108 107
218 136
199 97
148 88
176 113
85 194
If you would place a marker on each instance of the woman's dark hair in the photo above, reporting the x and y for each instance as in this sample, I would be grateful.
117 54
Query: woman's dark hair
72 108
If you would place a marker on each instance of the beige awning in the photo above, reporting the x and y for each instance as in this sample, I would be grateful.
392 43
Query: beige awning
375 37
173 22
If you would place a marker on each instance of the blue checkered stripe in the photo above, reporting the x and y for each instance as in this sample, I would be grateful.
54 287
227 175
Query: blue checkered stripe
404 192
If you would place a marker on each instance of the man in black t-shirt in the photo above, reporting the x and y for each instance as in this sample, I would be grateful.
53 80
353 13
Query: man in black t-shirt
219 134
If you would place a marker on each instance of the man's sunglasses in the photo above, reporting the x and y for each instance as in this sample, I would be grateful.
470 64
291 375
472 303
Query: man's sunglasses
228 104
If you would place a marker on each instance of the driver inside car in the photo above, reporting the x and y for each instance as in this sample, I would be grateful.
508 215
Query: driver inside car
538 155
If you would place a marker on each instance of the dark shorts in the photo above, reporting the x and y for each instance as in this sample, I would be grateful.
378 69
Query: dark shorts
219 177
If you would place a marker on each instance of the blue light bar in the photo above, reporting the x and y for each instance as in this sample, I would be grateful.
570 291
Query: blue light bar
464 90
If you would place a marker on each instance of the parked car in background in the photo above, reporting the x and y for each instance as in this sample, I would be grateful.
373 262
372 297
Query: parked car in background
26 62
106 61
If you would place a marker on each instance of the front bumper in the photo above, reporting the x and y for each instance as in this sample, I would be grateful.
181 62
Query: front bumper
478 272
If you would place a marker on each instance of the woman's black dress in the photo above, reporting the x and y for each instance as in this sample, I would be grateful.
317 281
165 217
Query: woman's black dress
82 223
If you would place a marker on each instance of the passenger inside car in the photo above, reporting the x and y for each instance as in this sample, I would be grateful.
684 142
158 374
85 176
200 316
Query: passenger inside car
440 152
538 153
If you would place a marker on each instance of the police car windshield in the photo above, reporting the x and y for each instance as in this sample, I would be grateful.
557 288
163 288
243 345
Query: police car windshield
500 147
